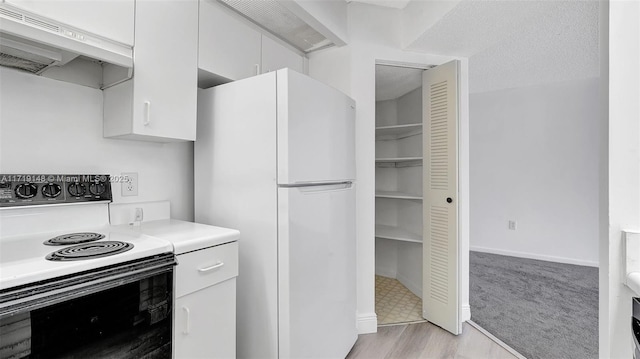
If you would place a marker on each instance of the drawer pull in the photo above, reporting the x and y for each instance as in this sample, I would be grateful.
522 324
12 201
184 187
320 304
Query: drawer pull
207 269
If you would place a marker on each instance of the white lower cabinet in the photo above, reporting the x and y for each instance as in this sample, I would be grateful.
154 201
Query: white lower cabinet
205 305
206 322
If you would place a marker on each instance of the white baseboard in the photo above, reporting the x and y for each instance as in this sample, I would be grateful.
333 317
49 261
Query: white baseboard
367 323
466 313
413 287
541 257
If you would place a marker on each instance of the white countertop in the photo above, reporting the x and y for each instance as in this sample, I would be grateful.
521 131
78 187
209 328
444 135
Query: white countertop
185 236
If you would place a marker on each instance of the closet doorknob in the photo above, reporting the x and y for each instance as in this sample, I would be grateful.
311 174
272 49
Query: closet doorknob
449 200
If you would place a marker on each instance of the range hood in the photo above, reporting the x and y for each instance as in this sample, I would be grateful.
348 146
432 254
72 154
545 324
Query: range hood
41 46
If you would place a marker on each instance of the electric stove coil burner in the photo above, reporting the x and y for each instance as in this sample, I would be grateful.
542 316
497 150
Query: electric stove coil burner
73 238
89 251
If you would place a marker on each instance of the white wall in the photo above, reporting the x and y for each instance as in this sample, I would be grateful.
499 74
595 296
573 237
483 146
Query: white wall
620 202
534 159
48 126
386 257
375 36
333 67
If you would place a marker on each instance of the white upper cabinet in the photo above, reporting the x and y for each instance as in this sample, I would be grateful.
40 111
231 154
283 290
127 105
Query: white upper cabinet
276 56
227 46
231 48
159 103
110 19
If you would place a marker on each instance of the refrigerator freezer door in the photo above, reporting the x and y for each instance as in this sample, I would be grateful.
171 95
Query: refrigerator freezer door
316 271
315 131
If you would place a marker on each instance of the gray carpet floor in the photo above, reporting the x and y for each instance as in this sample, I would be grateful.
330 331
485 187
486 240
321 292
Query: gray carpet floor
541 309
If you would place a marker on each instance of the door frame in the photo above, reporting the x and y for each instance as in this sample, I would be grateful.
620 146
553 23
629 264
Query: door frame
464 309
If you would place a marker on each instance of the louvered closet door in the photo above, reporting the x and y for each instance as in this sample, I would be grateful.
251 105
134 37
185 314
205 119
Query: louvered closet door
440 244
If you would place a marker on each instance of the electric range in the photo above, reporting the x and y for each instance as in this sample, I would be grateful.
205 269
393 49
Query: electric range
77 298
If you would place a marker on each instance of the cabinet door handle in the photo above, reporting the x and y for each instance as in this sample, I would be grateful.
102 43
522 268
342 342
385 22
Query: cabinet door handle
210 268
147 113
257 66
186 320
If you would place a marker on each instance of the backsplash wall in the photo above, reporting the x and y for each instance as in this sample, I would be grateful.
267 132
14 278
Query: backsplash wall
48 126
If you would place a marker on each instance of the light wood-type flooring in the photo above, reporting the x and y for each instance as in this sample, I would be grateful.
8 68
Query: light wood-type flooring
425 340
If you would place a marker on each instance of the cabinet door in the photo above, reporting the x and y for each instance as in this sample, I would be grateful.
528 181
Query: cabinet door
440 289
205 323
276 56
227 46
165 73
110 19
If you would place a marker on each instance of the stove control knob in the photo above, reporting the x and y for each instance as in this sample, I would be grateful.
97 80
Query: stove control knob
77 189
51 190
26 190
97 188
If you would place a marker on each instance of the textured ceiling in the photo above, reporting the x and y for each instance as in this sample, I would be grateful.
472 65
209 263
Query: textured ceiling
518 43
396 4
393 82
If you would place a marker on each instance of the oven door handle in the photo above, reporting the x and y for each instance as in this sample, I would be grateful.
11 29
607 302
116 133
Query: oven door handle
187 315
210 268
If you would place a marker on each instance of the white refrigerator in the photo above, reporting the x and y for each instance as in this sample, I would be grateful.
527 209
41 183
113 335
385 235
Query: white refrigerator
274 158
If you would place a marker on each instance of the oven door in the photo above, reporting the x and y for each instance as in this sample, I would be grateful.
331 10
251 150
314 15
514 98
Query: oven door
122 311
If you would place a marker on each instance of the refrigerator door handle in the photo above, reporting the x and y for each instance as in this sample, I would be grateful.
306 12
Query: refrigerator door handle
322 188
317 184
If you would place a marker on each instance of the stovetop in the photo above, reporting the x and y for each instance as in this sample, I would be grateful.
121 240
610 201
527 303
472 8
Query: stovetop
37 208
23 258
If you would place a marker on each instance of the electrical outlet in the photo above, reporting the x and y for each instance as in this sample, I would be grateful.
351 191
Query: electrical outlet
513 225
129 184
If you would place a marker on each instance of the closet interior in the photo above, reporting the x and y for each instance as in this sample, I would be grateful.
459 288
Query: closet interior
399 194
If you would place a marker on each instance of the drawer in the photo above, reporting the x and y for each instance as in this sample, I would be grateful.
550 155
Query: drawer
206 267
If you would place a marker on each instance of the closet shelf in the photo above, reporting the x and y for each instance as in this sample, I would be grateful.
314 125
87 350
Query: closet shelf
396 194
395 233
399 162
397 132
